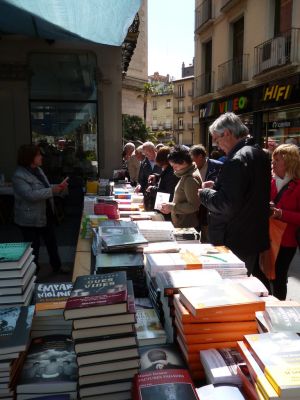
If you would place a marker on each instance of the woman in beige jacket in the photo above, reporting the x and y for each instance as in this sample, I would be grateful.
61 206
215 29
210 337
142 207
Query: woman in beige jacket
184 208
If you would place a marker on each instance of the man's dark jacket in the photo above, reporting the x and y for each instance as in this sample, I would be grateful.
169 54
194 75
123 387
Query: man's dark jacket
213 168
239 202
145 171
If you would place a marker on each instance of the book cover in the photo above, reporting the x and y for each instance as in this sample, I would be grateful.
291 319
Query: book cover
148 327
221 365
253 284
209 299
186 234
158 357
210 392
15 325
119 260
164 385
98 290
50 366
52 296
283 319
120 234
278 355
13 255
170 281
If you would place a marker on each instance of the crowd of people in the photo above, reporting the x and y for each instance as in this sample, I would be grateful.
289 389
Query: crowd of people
230 200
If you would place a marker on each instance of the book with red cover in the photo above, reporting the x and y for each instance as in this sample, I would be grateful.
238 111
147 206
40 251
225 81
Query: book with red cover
164 385
96 295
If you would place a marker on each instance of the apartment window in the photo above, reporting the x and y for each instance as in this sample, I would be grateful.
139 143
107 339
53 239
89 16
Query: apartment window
238 50
180 123
283 16
180 106
168 103
154 105
180 91
63 108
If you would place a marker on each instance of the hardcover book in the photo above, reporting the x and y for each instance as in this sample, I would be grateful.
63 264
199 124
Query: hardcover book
52 297
16 273
96 295
20 299
13 255
211 299
278 355
148 327
158 357
10 285
50 366
105 343
15 325
108 355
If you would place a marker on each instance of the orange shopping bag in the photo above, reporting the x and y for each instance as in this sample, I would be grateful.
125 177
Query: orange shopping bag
267 258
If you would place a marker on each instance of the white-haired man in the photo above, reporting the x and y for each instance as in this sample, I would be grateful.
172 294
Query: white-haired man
133 164
148 167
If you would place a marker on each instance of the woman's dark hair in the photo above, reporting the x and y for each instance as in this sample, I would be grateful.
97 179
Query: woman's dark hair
162 156
180 154
26 154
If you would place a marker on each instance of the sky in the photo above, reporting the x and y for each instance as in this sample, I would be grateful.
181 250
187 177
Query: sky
170 36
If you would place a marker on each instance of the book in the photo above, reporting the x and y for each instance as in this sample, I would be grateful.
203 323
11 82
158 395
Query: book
25 296
256 373
102 331
107 356
109 366
156 231
13 255
210 299
224 315
50 298
100 389
222 392
17 273
96 295
278 355
161 247
15 325
283 319
182 234
125 395
158 357
105 377
220 365
253 284
119 261
50 367
160 199
170 261
105 343
170 281
110 320
148 327
164 385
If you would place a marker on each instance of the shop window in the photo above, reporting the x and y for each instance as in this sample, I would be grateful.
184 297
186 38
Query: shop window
63 106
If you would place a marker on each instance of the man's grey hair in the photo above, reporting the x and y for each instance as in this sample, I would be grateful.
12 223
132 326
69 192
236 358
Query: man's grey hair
129 146
149 145
231 122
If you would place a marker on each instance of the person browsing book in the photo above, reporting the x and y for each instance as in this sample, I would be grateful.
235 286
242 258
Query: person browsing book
238 201
184 208
34 207
286 180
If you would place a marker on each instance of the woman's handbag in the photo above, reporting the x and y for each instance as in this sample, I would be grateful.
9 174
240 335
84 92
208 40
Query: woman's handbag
267 258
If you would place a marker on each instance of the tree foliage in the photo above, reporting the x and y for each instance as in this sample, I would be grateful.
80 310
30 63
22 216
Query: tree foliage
134 128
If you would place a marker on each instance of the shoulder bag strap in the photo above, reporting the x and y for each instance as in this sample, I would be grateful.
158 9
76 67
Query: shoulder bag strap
280 193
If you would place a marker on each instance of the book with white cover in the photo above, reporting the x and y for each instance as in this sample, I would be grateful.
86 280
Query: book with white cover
253 284
210 392
156 231
160 199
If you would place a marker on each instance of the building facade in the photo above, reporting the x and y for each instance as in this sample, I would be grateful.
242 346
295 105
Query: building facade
247 56
137 74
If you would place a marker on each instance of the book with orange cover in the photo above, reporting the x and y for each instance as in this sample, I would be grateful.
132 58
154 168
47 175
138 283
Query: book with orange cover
224 315
51 297
212 337
216 327
212 299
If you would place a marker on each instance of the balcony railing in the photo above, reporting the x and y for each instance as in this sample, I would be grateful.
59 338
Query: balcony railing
204 83
277 52
178 127
203 13
179 110
179 94
233 71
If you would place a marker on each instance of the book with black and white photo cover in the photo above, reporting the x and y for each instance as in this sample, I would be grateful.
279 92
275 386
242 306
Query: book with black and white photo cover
220 365
164 385
97 295
15 325
50 367
158 357
14 255
50 298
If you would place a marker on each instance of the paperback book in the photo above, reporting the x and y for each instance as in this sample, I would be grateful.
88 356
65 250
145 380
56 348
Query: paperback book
51 297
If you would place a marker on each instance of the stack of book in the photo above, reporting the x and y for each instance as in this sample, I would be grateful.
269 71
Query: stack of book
169 283
103 314
148 326
156 231
50 300
273 362
90 222
17 274
15 325
219 258
130 262
253 284
50 368
186 235
213 316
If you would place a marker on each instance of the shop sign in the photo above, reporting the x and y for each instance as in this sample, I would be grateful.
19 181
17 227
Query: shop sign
213 108
277 92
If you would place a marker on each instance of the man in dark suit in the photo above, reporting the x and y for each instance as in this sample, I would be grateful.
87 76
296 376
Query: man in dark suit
209 170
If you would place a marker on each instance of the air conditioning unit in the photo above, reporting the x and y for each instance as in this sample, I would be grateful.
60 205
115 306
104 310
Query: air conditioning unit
273 53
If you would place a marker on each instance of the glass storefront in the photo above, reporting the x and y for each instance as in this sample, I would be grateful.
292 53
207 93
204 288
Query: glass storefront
282 127
63 106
